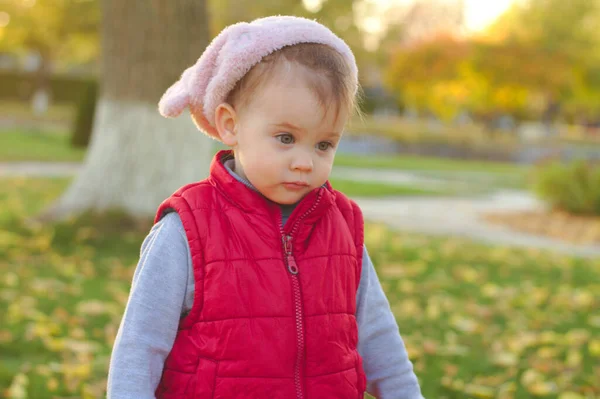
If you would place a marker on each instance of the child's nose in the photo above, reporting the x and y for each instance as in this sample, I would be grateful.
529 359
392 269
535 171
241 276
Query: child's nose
302 163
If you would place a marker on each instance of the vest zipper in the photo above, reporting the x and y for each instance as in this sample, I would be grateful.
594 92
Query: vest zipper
292 268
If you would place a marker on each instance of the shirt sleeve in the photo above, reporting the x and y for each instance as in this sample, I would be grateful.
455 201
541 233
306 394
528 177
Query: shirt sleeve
151 319
385 360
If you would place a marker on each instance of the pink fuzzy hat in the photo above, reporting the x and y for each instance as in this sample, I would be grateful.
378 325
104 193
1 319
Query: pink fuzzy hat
206 84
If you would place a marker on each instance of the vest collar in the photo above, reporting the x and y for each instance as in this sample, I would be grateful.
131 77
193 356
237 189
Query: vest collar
308 210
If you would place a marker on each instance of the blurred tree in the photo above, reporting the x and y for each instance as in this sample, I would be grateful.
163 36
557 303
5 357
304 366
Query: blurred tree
537 74
340 17
50 32
426 19
447 75
410 25
226 12
561 31
137 158
65 30
540 56
429 76
555 26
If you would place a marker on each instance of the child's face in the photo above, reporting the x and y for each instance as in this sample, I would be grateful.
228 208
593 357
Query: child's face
284 140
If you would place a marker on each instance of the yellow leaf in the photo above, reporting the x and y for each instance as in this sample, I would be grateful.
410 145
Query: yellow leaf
18 387
594 320
94 308
479 391
574 358
54 344
458 385
530 377
547 352
82 346
11 279
570 395
583 299
433 310
52 384
463 324
407 308
392 270
446 381
550 337
505 359
413 351
469 275
507 390
577 336
78 333
490 290
542 388
43 370
407 286
81 370
594 347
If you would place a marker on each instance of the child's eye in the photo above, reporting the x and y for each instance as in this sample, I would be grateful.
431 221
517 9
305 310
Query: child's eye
285 138
324 145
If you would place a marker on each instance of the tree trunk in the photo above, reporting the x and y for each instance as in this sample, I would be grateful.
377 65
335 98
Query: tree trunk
137 158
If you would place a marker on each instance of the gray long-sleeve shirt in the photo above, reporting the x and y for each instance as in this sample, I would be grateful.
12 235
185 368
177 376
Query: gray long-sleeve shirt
163 290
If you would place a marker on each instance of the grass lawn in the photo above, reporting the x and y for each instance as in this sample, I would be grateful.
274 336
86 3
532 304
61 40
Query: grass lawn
55 147
365 189
418 163
478 321
493 174
10 109
19 145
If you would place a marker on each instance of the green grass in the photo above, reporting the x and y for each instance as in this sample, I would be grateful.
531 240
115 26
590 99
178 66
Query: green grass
367 189
477 320
27 145
490 322
17 145
10 109
63 288
476 173
22 145
424 164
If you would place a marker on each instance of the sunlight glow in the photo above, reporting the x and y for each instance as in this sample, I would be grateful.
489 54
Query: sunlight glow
312 5
480 14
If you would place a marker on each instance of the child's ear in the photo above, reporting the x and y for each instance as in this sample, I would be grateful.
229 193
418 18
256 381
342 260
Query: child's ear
225 122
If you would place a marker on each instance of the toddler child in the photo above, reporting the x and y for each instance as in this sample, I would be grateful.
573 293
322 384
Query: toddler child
256 283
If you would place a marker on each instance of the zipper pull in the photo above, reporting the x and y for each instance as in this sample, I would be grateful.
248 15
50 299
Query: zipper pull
291 264
284 241
287 245
289 257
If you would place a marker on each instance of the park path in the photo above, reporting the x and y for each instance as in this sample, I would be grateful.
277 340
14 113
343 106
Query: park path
463 217
450 216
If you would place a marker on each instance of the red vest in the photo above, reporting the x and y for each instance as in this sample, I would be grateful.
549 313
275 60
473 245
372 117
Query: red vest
274 313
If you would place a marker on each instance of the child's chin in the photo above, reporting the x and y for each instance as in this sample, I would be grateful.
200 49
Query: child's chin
286 199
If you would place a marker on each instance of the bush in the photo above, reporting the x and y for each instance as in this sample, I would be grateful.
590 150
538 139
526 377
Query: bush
573 187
